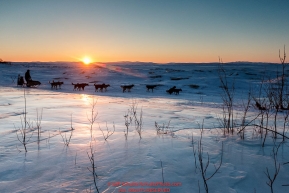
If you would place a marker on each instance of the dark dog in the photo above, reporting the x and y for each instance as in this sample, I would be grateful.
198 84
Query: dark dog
101 87
171 90
151 87
177 91
76 86
98 86
105 86
80 86
59 84
127 87
55 84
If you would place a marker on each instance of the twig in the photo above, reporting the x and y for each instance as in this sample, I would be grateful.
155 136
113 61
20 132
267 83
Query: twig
93 167
108 132
204 166
66 140
272 131
273 177
23 130
38 123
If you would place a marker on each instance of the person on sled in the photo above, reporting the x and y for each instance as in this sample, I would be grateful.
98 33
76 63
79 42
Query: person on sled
30 82
27 76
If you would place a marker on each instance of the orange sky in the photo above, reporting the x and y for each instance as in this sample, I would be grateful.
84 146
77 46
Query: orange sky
148 31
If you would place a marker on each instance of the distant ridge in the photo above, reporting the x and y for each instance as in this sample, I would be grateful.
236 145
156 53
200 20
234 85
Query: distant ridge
4 62
247 62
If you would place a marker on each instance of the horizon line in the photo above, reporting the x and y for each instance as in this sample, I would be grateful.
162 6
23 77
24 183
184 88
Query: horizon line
138 62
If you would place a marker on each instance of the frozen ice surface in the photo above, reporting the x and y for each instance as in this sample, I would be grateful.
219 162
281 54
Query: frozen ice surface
50 166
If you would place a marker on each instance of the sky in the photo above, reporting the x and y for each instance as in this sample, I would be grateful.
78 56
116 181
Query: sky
143 30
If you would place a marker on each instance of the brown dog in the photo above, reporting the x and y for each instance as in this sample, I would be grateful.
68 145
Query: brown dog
98 86
59 84
55 84
80 86
105 86
101 87
127 87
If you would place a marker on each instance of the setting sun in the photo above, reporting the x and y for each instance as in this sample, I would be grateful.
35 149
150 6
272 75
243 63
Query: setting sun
86 60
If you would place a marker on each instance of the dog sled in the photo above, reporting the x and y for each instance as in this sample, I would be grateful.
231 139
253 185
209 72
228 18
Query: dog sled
33 83
30 83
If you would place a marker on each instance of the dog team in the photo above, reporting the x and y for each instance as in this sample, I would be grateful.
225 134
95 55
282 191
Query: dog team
81 86
103 87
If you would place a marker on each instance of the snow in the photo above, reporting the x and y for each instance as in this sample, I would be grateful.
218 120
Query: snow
50 166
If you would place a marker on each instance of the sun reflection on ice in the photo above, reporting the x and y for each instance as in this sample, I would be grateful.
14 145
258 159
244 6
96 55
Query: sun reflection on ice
86 99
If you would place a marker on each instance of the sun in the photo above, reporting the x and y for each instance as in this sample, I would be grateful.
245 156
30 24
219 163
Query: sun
86 60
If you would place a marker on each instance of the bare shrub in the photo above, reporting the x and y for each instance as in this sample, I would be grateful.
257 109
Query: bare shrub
273 104
38 123
244 122
195 153
26 126
92 169
264 103
203 165
137 118
281 85
285 123
127 121
91 154
108 132
228 98
93 116
24 130
272 177
246 107
66 139
164 129
133 116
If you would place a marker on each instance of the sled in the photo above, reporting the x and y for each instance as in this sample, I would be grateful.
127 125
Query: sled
33 83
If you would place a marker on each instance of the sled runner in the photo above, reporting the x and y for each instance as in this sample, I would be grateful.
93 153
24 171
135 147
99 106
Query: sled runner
33 83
